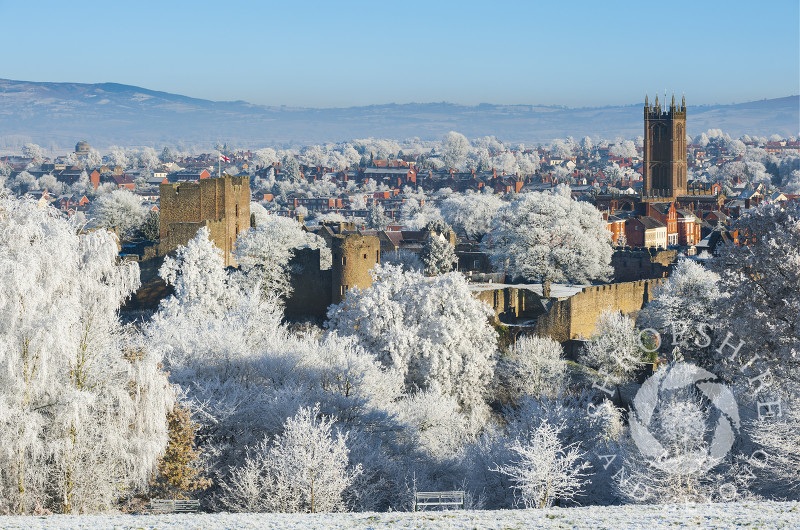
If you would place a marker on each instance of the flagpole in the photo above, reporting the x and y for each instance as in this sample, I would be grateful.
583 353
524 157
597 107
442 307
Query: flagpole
219 165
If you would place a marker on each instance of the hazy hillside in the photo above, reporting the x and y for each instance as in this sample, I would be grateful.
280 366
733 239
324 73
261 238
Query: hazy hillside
57 115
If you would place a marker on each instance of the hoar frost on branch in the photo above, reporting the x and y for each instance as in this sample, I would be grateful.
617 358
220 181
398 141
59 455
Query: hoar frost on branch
761 278
615 349
471 214
549 238
304 469
265 251
434 333
545 470
82 418
120 209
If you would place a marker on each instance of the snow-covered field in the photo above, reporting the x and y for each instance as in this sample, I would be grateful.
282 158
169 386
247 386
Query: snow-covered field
728 515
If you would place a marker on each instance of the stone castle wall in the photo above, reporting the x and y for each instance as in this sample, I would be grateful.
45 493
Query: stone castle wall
311 286
511 303
575 317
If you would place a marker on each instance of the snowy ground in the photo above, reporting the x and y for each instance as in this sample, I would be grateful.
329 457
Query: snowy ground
750 514
557 290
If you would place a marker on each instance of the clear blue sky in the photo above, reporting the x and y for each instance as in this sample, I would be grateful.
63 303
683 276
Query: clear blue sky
346 53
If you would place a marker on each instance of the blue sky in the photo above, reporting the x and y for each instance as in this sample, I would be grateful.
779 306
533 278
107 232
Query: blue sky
348 53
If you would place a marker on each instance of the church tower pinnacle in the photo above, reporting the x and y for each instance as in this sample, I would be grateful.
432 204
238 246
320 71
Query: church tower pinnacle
664 167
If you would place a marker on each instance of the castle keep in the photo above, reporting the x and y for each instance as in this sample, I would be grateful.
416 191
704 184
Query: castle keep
221 204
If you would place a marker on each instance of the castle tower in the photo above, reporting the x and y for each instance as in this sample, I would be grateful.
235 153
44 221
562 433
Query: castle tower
664 151
221 204
353 257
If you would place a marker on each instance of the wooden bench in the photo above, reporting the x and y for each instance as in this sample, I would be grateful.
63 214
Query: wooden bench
174 506
445 499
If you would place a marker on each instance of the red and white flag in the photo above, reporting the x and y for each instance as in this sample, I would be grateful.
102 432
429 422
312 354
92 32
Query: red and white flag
223 158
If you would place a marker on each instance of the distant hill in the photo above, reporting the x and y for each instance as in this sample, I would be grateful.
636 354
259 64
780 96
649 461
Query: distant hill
57 115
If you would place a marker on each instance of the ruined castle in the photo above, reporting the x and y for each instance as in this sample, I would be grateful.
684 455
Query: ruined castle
221 204
315 288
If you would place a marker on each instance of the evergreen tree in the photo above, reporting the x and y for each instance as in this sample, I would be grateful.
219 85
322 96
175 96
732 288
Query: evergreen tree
179 473
438 255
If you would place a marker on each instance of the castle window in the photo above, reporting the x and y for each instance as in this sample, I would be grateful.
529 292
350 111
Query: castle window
365 256
344 261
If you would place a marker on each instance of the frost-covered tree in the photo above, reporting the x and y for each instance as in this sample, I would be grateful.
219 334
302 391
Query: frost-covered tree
560 149
779 438
438 255
792 182
615 349
623 148
529 163
534 366
197 275
762 282
166 155
736 147
471 214
92 159
417 214
305 469
290 169
541 237
118 156
433 333
405 259
82 416
148 158
265 157
434 422
22 183
673 460
544 469
684 310
51 184
151 226
120 209
32 151
505 163
264 251
454 150
376 219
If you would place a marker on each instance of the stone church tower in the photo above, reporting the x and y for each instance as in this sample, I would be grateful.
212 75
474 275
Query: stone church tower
664 151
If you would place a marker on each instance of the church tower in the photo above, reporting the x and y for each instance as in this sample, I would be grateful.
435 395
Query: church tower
664 151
